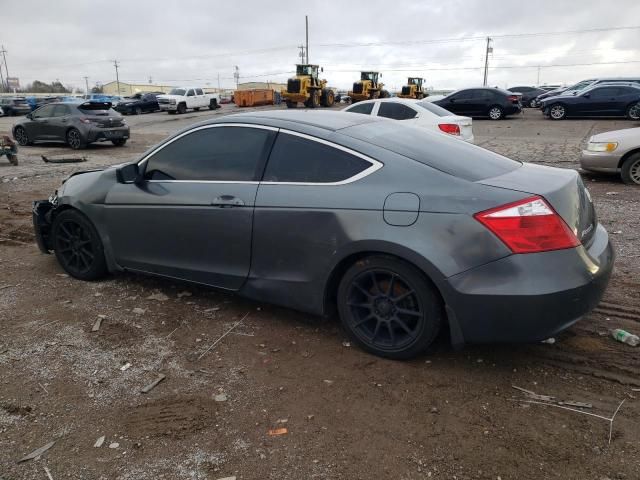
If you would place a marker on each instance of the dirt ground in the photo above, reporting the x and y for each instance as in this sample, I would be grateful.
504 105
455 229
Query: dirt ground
347 414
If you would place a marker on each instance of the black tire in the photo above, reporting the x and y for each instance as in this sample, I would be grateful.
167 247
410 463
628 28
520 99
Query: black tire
75 140
495 112
119 142
291 104
138 111
213 104
171 112
633 112
328 98
630 171
78 246
21 136
397 320
532 103
557 111
182 109
196 109
384 94
314 99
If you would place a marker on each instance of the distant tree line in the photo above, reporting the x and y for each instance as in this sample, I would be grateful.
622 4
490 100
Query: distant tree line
41 87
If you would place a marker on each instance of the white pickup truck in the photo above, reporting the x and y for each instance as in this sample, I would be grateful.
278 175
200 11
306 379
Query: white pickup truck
184 98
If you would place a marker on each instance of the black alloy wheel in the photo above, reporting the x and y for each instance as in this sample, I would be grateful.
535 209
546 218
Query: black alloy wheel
74 139
21 136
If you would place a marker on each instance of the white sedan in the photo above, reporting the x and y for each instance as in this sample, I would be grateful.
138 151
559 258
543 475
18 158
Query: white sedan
419 113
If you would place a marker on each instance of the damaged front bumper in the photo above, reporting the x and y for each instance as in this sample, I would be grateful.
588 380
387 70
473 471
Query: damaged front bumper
41 212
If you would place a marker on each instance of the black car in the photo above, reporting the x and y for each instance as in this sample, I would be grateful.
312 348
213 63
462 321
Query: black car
12 106
76 124
604 100
139 103
494 103
529 95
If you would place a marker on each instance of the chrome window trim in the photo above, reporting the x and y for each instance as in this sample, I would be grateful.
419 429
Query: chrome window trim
375 164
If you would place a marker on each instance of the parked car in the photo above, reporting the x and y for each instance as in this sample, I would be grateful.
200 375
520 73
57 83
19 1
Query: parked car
482 102
403 231
1 112
583 85
179 100
139 103
418 113
614 152
76 124
529 95
37 102
13 106
114 100
609 100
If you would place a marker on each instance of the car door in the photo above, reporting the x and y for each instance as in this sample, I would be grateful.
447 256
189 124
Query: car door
460 103
40 126
625 97
191 214
397 111
191 98
149 102
59 121
600 101
202 100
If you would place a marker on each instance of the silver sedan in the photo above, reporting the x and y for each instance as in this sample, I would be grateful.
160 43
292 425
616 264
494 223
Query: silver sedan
614 152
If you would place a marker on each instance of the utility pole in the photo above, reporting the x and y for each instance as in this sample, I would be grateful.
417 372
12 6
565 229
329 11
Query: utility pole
115 64
538 83
86 82
219 90
236 76
306 24
6 69
486 61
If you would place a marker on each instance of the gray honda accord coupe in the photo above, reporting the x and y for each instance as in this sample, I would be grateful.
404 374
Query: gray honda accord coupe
403 232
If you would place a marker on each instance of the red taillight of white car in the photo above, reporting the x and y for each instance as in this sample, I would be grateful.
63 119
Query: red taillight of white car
450 128
529 226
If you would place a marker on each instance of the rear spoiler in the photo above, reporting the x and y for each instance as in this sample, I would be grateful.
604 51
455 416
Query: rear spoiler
95 105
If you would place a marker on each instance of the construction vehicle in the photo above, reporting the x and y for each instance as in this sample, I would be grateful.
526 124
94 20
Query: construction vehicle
368 87
307 88
413 89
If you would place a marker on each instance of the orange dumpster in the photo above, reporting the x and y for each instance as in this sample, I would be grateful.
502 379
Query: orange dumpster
252 98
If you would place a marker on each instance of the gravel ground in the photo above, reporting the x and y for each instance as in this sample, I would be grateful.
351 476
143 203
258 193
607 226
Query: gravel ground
448 414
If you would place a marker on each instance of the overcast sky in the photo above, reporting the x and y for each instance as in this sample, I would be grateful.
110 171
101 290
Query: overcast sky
192 42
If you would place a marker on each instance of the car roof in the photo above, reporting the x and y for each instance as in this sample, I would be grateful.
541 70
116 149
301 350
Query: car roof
409 101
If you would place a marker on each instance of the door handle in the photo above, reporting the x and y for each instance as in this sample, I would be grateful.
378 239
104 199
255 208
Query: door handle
227 201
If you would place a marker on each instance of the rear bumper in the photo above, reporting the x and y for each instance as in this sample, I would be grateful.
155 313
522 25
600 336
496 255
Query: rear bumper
599 162
41 214
107 134
527 298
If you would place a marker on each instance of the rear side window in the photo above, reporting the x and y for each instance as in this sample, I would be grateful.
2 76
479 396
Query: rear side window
396 111
435 109
219 153
604 92
199 91
365 108
451 156
300 160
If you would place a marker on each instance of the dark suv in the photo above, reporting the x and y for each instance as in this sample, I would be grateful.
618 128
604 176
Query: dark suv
139 103
494 103
14 106
76 124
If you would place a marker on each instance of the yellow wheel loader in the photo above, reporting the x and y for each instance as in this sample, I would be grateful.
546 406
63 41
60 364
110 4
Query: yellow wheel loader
368 87
307 88
413 88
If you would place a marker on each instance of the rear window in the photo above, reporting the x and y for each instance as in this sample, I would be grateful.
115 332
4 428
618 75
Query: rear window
435 109
449 155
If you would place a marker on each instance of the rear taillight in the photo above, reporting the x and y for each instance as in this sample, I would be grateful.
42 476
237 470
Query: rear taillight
85 120
512 98
529 226
450 128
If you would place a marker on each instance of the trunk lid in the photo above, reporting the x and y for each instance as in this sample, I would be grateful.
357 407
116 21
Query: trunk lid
562 188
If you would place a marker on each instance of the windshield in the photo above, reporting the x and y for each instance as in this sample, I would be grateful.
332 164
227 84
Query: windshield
435 109
367 76
177 91
305 70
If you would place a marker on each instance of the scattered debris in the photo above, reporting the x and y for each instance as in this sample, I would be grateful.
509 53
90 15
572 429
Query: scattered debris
45 390
617 232
223 335
139 311
282 420
625 337
172 332
549 341
635 389
274 432
63 160
184 294
228 478
99 442
125 367
535 396
114 445
221 397
96 325
328 382
9 286
37 453
213 309
153 384
46 470
159 296
310 417
45 325
571 403
611 193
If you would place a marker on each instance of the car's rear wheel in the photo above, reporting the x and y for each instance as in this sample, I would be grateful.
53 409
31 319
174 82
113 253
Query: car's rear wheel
213 104
633 112
74 139
495 113
389 308
557 112
21 136
119 142
77 246
630 171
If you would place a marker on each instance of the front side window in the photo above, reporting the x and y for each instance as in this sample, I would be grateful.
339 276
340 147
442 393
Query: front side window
190 93
60 110
212 154
396 111
461 95
199 91
604 92
364 108
44 112
301 160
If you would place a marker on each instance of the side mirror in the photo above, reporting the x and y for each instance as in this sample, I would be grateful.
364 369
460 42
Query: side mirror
129 173
30 116
322 69
586 95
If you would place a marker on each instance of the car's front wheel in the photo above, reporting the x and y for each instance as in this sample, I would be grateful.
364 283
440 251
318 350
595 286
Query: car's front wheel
389 308
77 246
496 113
21 136
557 112
630 171
74 139
119 142
633 112
532 103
